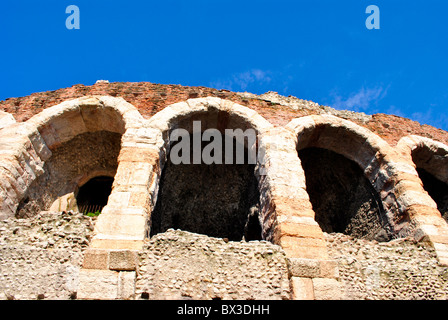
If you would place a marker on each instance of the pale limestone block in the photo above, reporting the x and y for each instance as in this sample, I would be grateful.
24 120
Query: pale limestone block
124 210
180 108
124 173
15 186
140 199
116 243
143 135
40 146
67 126
48 134
163 119
121 226
142 173
310 221
6 119
327 289
397 167
259 123
205 103
404 186
411 197
7 205
119 199
98 284
126 285
300 124
302 288
47 115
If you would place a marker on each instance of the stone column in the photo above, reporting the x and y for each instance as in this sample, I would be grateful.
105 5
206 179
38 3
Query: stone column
288 219
110 262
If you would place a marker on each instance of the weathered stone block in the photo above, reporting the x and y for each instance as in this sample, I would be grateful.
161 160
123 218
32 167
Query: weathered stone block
126 285
312 268
98 284
129 154
118 244
140 199
327 289
96 259
302 288
308 248
122 260
121 226
300 267
6 119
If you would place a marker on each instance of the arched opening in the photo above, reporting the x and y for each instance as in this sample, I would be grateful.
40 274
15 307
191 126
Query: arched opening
343 199
218 199
93 195
437 189
347 169
70 164
432 168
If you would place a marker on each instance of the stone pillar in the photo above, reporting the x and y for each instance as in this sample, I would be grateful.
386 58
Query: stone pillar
285 201
110 263
123 222
286 210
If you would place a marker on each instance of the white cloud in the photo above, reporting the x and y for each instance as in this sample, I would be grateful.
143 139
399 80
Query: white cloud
362 100
242 80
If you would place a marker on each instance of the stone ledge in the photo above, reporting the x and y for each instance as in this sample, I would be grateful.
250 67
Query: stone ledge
116 244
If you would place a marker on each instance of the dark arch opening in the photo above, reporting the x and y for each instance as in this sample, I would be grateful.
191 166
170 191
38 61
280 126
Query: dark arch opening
93 196
343 199
437 189
218 200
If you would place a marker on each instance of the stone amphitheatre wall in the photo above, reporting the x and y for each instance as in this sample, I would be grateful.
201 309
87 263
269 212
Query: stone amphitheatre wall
51 145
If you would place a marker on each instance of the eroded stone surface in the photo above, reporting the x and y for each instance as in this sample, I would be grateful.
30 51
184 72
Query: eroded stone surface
41 257
183 265
397 270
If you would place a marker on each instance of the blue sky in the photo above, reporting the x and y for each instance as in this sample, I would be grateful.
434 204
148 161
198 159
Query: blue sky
318 50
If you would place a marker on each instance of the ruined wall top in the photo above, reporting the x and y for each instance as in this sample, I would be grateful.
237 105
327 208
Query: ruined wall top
149 98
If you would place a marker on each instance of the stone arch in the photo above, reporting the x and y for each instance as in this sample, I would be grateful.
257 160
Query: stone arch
144 153
225 195
431 161
384 169
28 149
